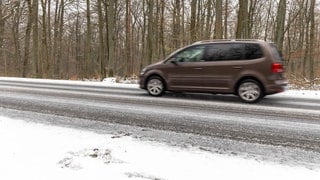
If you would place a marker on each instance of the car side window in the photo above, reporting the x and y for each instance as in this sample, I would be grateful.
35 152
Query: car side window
232 51
213 53
252 51
221 52
192 54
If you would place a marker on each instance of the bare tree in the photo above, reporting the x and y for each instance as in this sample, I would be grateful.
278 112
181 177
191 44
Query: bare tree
312 43
242 24
129 63
100 38
150 35
193 31
218 31
280 24
110 9
45 65
35 39
88 48
27 41
102 57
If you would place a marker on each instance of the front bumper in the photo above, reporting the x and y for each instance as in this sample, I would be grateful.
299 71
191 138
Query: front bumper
142 82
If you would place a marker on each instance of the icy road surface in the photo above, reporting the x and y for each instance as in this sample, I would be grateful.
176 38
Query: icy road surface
279 128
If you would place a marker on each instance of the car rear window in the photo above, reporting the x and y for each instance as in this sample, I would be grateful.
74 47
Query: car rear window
276 54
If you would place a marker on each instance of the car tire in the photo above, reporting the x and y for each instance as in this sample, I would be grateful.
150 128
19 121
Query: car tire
250 91
155 86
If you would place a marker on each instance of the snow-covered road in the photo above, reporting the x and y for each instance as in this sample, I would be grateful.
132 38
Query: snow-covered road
276 120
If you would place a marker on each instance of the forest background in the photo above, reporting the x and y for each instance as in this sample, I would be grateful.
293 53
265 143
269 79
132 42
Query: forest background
94 39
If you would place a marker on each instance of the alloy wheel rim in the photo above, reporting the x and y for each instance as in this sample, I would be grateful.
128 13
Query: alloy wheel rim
249 91
155 87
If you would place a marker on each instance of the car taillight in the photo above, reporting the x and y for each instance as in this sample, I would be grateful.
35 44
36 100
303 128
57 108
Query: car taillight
277 68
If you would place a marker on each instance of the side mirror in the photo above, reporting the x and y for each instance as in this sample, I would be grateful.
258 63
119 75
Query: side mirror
174 62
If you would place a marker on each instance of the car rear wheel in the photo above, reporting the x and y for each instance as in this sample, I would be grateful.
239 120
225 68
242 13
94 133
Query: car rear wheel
250 91
155 86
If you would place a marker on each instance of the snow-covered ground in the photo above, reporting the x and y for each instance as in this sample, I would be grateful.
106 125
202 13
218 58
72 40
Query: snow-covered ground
36 151
31 150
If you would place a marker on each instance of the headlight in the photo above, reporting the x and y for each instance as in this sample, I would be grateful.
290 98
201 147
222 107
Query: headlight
143 71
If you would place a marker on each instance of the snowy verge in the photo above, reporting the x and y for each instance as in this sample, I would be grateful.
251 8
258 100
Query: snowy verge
106 82
36 151
307 94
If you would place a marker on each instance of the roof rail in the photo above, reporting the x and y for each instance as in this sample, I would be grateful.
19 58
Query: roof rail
226 40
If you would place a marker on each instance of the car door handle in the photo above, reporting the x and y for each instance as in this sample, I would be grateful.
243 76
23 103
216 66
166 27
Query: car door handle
198 68
237 67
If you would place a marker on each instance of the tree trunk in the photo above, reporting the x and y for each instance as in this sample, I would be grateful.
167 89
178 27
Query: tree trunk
280 23
161 36
267 21
49 42
226 15
35 39
56 40
2 23
111 23
306 28
193 34
176 24
78 52
88 46
242 26
27 41
44 41
16 38
102 62
150 38
2 30
312 42
218 31
128 63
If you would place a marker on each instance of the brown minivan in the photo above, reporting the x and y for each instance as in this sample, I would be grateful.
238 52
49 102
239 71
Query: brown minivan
250 69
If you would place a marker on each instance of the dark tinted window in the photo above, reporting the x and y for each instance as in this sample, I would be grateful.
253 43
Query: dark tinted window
252 51
233 51
276 53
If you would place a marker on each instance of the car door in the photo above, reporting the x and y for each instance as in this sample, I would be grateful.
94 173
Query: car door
185 69
222 66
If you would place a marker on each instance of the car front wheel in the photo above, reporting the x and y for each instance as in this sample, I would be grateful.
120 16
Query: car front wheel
155 86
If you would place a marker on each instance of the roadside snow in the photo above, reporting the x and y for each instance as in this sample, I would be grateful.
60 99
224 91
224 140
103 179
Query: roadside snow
36 151
309 94
106 82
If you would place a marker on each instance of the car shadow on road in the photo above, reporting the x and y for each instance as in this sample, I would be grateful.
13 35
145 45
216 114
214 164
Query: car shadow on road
203 97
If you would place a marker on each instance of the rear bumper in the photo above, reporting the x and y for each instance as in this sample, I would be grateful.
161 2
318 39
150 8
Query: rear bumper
277 87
